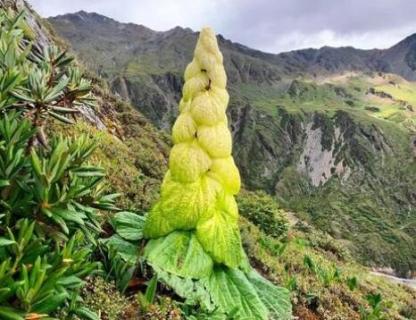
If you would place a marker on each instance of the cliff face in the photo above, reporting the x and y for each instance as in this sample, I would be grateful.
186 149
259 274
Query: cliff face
352 179
327 131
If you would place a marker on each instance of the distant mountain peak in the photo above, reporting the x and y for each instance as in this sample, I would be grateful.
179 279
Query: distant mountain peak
84 15
101 24
178 30
399 59
408 39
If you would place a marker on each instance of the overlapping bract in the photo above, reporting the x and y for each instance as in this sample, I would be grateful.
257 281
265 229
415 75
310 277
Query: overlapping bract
198 190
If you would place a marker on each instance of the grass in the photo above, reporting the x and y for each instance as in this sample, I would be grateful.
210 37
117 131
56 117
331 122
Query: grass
403 91
318 269
350 95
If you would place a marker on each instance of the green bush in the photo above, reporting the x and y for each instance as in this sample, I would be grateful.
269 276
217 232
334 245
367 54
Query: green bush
262 210
50 196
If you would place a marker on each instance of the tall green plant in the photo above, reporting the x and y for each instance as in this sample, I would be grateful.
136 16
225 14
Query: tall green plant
195 244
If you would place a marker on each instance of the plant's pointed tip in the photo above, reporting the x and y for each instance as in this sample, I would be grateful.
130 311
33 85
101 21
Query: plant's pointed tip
207 34
207 43
207 31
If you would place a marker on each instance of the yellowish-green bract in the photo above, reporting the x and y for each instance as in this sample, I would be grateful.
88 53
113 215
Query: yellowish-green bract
197 193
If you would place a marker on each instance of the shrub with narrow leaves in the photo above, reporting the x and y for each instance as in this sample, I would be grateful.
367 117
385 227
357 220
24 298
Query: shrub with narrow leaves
50 195
195 245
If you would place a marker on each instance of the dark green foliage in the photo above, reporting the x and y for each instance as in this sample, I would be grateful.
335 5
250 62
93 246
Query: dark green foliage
326 275
277 249
309 263
50 196
376 308
148 298
121 251
34 278
291 284
151 289
43 84
352 283
262 210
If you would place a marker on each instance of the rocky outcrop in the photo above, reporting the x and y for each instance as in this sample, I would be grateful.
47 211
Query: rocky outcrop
317 145
318 163
262 145
160 95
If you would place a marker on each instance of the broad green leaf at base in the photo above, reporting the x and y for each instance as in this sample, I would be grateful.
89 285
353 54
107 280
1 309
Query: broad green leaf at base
234 294
192 291
179 253
276 299
128 225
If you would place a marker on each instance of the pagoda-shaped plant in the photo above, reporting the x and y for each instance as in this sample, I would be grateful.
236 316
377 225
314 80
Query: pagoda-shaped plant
195 245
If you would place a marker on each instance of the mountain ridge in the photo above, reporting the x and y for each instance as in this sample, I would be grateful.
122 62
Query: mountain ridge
321 58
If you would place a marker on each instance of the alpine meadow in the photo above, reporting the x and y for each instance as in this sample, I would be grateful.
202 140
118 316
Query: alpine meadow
181 175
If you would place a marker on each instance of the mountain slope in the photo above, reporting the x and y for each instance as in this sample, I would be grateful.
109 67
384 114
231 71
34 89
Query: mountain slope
325 130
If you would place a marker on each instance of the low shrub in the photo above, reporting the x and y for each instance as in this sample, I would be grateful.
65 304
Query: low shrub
262 210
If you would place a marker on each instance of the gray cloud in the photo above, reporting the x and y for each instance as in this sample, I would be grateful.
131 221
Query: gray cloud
268 25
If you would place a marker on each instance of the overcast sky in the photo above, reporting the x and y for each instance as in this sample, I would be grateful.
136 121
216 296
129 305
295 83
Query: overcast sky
268 25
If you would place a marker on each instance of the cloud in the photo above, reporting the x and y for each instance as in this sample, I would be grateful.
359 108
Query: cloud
364 40
270 25
155 14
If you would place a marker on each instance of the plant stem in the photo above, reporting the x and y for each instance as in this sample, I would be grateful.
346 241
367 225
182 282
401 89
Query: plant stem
37 124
